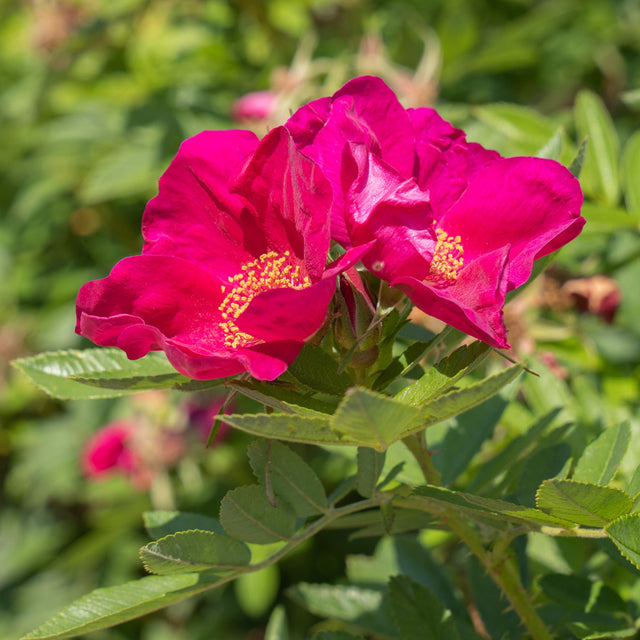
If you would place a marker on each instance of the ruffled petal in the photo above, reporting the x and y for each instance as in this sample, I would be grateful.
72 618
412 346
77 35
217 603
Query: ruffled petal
365 111
194 216
472 304
445 161
290 199
382 206
531 204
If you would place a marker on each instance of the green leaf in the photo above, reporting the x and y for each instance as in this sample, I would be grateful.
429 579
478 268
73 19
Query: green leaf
370 464
601 458
195 550
552 148
286 426
437 500
600 171
289 475
515 450
102 373
455 402
277 626
163 523
405 555
106 607
126 171
578 161
246 514
282 399
335 635
522 125
372 419
634 484
370 524
464 439
581 594
318 370
543 463
625 533
417 612
403 363
630 168
364 608
445 374
256 591
585 504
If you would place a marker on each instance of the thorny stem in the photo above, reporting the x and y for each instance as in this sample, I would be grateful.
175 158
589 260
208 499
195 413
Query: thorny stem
496 562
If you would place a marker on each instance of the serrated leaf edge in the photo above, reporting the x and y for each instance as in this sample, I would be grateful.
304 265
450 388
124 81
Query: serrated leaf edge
549 481
212 568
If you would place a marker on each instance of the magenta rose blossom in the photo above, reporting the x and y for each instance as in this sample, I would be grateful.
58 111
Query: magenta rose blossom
233 274
109 450
455 226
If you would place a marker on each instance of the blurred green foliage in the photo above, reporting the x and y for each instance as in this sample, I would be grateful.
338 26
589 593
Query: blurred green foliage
95 98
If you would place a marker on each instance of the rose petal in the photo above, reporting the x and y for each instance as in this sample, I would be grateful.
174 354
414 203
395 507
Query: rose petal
365 110
530 204
290 198
194 216
472 304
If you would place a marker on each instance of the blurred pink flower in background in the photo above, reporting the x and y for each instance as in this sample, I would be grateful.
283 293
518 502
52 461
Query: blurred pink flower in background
111 451
256 105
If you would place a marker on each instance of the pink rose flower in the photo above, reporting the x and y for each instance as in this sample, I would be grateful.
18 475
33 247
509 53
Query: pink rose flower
233 274
256 105
109 450
455 226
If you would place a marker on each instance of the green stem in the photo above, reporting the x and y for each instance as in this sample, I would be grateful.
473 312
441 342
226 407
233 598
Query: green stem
497 563
316 526
575 532
417 444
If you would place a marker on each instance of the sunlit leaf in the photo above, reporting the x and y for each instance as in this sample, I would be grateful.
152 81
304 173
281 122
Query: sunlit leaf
277 626
106 607
103 373
445 373
585 504
599 176
625 533
630 168
601 458
247 514
195 550
372 419
359 606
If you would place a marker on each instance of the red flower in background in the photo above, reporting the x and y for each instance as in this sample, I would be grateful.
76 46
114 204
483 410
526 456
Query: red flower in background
233 275
455 226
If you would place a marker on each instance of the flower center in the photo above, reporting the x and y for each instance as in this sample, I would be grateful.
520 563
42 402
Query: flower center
447 259
270 271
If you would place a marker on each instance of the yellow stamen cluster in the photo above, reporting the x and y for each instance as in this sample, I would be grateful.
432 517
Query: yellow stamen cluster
447 259
270 271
